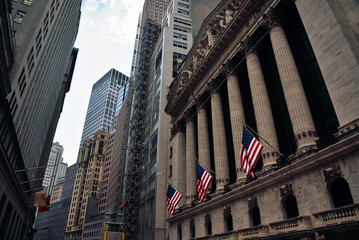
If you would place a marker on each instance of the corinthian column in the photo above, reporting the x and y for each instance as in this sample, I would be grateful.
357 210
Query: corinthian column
298 108
219 142
191 182
236 111
262 109
204 154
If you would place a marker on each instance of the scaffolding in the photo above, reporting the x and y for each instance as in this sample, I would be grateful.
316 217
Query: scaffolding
149 33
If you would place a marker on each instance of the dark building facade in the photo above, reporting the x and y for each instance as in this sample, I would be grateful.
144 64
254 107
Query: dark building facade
289 71
52 224
36 65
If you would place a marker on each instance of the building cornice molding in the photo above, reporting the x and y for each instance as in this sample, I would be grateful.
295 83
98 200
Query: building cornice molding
194 76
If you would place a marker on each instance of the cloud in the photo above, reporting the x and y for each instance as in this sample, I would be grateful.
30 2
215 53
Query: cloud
105 40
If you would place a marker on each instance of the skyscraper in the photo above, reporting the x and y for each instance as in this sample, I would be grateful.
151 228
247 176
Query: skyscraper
36 65
102 105
53 168
161 54
42 53
87 184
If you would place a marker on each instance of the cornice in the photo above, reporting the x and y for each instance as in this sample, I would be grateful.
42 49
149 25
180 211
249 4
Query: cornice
206 57
307 164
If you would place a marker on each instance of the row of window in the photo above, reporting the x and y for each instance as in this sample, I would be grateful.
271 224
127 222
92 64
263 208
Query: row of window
180 45
339 191
12 221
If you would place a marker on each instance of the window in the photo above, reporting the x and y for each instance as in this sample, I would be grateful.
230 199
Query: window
183 5
229 222
177 61
30 60
182 21
291 206
340 193
170 171
183 11
179 44
180 36
38 42
27 2
182 29
256 216
19 16
171 151
208 224
192 228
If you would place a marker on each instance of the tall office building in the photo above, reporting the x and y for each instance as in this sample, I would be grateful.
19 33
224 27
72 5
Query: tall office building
45 34
154 10
52 224
86 191
54 168
37 62
289 71
102 106
147 163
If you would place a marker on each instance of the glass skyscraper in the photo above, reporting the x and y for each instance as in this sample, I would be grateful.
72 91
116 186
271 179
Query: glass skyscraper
102 106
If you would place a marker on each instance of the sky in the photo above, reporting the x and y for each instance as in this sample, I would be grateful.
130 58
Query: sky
105 40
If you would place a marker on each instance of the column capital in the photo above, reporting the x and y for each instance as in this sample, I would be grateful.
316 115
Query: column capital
271 19
178 127
200 101
227 68
248 45
213 87
188 115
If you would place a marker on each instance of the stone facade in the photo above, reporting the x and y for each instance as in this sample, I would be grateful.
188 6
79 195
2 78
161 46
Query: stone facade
287 70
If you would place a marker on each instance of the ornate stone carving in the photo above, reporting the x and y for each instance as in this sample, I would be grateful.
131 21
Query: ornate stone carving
227 68
332 172
271 19
252 202
304 134
286 190
207 217
226 210
178 127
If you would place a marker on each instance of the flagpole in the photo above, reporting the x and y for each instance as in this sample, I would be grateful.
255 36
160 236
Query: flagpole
180 190
207 168
263 139
202 164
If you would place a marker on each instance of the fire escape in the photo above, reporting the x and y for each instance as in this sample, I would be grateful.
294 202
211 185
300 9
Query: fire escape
150 34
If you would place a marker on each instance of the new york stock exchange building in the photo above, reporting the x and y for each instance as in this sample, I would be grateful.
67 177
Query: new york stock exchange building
288 69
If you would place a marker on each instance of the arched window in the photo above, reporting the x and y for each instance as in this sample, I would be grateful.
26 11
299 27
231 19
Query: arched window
229 222
291 206
340 192
256 216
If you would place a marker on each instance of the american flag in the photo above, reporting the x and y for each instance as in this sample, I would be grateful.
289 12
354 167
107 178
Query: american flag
250 152
173 197
203 181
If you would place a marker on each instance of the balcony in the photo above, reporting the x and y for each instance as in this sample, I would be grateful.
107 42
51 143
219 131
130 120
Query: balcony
294 224
254 232
336 216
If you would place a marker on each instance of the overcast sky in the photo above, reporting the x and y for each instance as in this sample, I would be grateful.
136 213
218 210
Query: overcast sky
105 40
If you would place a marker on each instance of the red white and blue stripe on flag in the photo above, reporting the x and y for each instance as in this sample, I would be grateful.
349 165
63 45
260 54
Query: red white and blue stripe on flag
203 181
250 152
173 197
